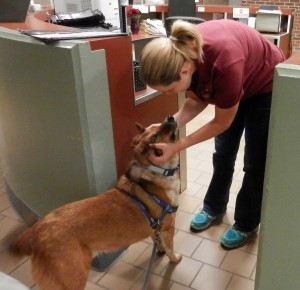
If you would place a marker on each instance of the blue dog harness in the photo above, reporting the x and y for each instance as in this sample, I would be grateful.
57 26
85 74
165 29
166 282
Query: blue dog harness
155 223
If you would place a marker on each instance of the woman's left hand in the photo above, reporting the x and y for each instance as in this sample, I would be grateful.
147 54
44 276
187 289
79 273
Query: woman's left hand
167 150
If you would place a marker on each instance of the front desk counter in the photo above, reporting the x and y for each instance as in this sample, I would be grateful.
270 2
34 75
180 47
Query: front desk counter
127 108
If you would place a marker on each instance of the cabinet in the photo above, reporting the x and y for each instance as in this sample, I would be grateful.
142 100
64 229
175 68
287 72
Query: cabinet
282 39
209 12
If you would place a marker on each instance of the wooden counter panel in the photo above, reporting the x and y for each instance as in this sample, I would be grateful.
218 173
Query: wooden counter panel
123 109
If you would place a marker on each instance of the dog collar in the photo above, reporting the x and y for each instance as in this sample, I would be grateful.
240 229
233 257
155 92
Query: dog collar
163 171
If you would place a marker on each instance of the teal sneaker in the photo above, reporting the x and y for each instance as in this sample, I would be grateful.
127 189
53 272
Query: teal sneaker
202 220
234 238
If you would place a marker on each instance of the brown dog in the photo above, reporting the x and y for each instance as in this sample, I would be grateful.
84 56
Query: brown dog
61 244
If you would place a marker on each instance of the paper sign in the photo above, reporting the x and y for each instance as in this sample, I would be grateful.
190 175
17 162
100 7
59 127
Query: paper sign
201 9
240 12
142 8
152 8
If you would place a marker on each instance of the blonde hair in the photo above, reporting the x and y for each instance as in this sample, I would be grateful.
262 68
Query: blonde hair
162 58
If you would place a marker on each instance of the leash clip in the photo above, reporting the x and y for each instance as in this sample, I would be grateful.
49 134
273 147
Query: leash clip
155 223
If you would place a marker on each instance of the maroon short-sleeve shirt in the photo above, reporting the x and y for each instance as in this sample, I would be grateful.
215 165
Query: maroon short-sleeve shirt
238 63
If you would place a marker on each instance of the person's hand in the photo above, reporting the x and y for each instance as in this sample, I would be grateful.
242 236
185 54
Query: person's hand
161 152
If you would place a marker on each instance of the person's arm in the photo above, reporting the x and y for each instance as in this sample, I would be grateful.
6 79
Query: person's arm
221 121
190 109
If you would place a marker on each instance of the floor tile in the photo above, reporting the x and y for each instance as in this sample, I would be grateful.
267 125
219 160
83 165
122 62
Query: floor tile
92 286
183 220
155 282
120 277
204 179
159 264
8 262
191 189
23 274
239 262
4 203
183 272
7 227
189 203
239 283
193 175
134 251
211 278
185 243
177 286
95 276
210 252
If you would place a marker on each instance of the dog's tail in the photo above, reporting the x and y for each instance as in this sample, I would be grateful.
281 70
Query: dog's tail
22 245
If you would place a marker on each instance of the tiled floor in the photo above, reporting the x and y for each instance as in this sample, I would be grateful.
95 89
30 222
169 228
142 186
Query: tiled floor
205 265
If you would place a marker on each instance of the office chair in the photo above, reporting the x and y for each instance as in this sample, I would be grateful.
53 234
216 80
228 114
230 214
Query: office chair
181 10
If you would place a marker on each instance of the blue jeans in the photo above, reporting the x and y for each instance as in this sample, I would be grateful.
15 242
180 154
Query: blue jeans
253 117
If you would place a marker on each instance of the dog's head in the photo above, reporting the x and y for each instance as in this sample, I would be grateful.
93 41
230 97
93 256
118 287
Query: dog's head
165 133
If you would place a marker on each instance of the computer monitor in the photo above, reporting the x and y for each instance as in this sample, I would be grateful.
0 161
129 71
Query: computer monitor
13 10
110 9
182 8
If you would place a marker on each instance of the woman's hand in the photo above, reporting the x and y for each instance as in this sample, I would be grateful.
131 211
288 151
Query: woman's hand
162 152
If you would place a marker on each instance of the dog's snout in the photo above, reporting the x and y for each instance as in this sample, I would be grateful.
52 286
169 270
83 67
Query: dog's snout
170 118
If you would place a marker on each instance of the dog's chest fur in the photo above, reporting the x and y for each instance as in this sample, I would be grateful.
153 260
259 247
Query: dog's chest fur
170 185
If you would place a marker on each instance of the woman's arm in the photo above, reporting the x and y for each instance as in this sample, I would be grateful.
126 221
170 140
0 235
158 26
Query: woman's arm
221 121
190 109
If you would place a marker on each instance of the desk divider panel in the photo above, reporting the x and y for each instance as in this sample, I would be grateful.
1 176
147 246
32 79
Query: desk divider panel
55 120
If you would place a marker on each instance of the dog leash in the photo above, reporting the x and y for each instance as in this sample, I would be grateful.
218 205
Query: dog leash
156 241
155 223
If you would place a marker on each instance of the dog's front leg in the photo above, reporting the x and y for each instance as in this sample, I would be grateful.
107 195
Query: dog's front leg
167 243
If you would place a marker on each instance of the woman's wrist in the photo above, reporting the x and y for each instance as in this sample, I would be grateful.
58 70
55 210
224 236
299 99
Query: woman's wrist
180 145
176 120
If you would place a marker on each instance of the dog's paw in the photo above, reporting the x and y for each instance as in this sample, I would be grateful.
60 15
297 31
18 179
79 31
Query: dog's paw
176 258
160 252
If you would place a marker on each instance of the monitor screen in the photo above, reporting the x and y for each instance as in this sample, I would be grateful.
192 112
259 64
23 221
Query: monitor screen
110 9
182 8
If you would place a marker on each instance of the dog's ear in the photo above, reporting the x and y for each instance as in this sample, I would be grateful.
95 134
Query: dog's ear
140 127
